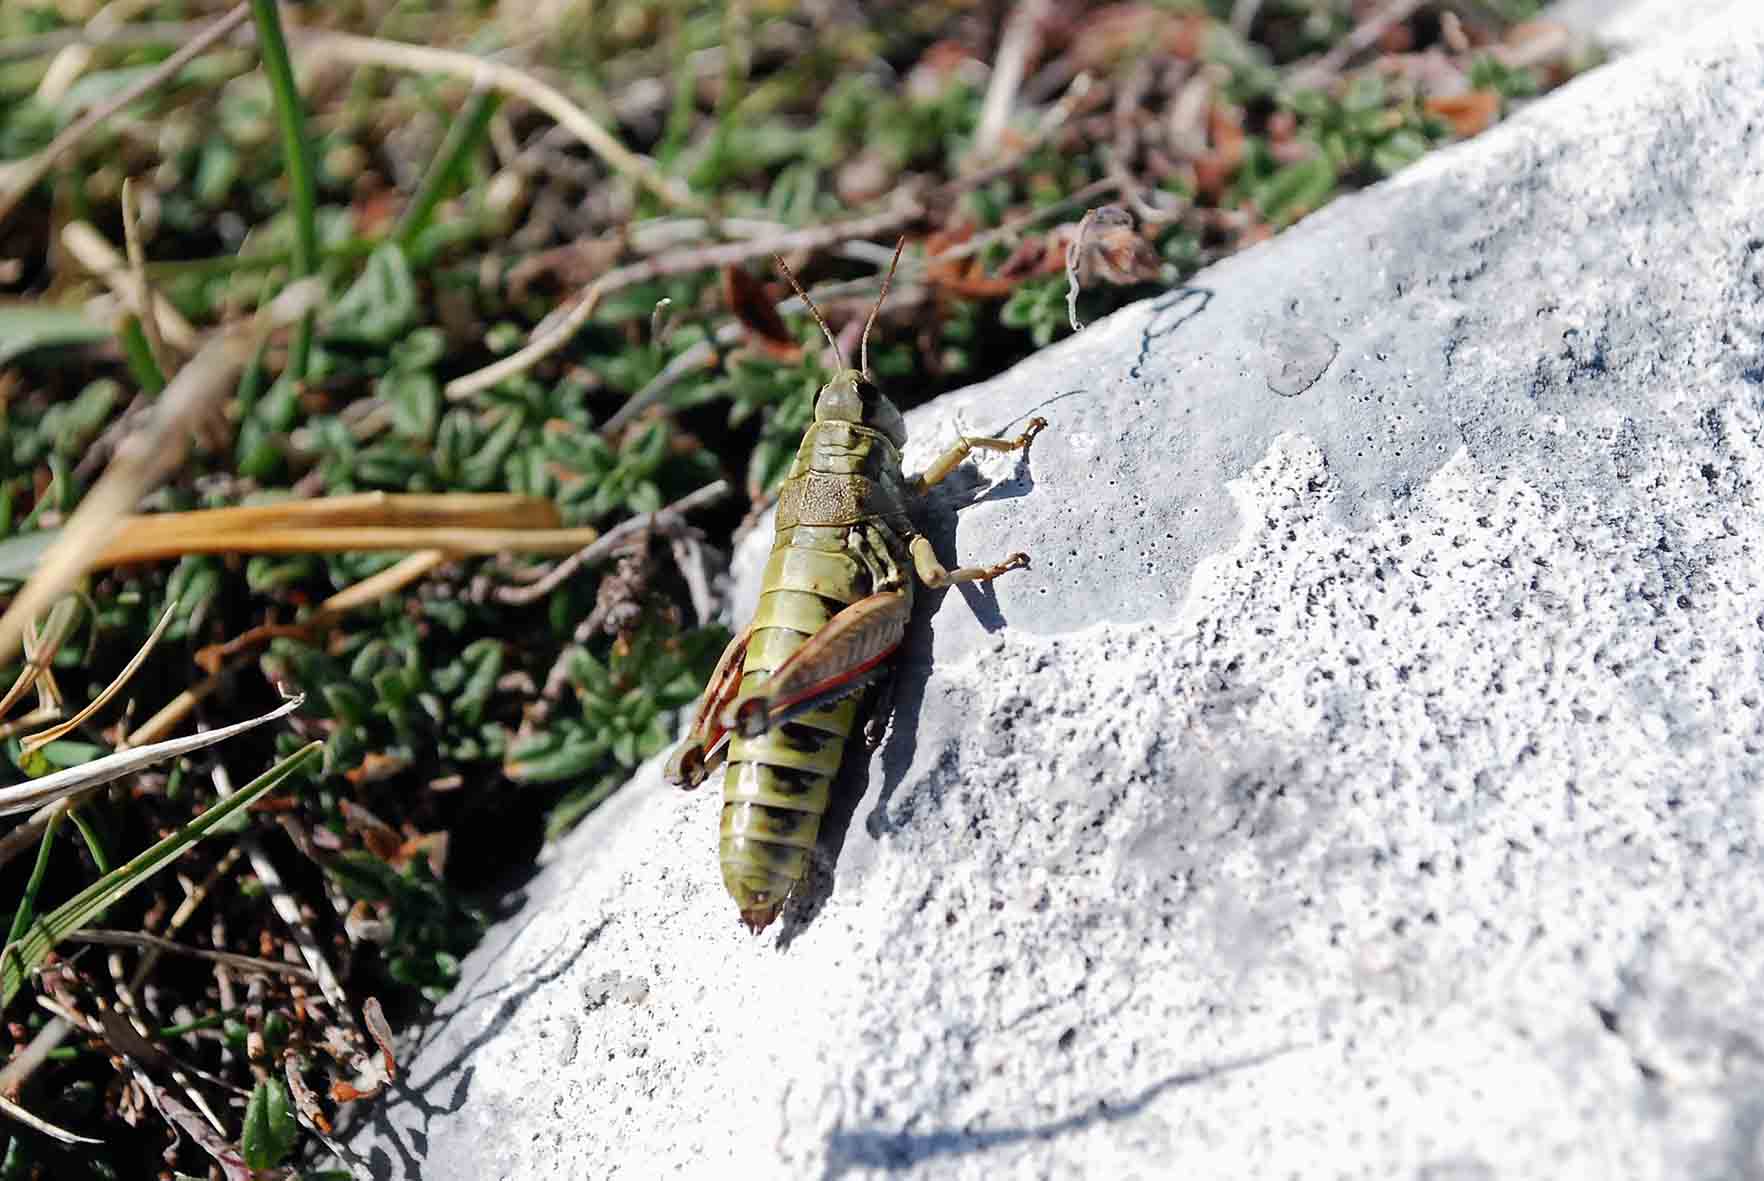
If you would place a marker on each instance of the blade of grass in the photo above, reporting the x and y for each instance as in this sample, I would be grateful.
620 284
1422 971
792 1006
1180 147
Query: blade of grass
21 918
165 534
138 352
94 843
297 155
25 797
26 955
24 1117
462 139
143 546
247 963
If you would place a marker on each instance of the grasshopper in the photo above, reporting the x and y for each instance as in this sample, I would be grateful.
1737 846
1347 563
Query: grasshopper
834 604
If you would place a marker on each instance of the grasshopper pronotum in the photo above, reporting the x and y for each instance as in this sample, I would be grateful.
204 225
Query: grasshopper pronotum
834 604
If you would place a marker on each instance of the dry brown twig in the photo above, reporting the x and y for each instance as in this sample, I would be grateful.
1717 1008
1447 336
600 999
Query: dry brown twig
564 326
139 939
666 521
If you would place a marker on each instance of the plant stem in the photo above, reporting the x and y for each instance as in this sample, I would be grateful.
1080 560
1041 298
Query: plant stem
463 137
297 151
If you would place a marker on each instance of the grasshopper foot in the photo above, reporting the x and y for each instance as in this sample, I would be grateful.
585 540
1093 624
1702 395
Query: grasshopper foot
686 769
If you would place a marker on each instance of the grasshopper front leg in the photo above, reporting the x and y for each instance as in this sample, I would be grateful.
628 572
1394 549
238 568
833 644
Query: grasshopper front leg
952 459
935 575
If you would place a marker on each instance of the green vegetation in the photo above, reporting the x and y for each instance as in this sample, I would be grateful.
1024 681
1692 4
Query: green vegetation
470 696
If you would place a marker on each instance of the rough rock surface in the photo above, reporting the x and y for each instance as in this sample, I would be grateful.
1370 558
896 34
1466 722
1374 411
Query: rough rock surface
1628 24
1362 782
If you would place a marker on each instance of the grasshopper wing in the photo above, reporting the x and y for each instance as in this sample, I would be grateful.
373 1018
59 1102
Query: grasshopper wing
708 739
839 659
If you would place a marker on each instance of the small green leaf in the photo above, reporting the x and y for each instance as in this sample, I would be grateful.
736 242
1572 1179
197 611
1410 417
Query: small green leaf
416 403
1296 190
380 305
270 1129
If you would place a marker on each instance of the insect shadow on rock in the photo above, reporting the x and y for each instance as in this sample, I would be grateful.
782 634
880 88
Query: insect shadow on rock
403 1119
835 601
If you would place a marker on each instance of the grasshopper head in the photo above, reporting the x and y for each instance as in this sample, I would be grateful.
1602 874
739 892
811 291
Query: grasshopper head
852 397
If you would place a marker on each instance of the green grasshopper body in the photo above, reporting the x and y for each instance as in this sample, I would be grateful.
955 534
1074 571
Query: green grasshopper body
834 604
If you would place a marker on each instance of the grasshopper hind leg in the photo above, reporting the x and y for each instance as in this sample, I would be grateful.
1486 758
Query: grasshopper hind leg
835 662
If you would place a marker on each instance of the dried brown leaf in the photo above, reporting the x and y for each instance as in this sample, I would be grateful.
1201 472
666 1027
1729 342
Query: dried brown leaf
381 839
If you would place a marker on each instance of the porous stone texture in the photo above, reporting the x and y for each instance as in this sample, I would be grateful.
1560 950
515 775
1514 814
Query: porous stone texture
1361 783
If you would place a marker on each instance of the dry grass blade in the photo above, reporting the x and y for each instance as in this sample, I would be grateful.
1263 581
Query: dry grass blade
24 797
146 544
55 633
1021 33
44 738
137 256
245 963
14 1111
453 510
140 463
360 521
90 249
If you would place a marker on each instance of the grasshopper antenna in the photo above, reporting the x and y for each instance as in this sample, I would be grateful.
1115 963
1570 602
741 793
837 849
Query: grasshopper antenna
864 348
838 354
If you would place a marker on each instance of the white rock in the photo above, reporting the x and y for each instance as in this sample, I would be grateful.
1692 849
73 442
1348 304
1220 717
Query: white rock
1362 783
